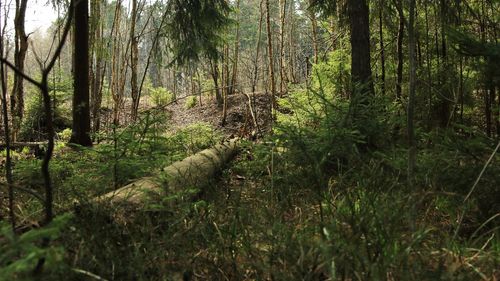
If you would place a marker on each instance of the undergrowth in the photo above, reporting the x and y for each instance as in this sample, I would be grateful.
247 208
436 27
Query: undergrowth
325 197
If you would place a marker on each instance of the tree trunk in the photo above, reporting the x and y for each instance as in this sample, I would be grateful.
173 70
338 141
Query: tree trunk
283 79
81 108
291 44
401 30
215 77
411 95
134 61
314 29
270 57
21 48
194 171
117 69
257 50
236 51
359 24
225 86
5 115
97 69
382 47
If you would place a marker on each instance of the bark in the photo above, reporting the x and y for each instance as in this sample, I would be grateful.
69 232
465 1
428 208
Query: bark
236 52
314 29
270 57
21 48
81 107
428 65
134 61
97 69
257 50
215 77
117 66
283 79
194 171
5 115
359 25
291 44
225 80
399 71
382 47
411 95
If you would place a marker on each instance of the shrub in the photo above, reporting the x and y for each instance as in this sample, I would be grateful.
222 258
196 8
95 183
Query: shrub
19 255
161 96
191 102
34 125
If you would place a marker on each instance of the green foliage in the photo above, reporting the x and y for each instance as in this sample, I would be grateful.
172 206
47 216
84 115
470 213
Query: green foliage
191 102
160 96
195 28
64 135
194 138
19 255
318 125
34 124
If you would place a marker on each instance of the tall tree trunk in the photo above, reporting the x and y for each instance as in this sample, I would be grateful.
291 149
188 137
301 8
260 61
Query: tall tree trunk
236 51
382 47
225 86
257 50
134 61
116 65
21 48
81 107
359 24
5 119
428 65
283 79
214 67
411 95
291 44
497 112
270 57
97 68
314 29
399 71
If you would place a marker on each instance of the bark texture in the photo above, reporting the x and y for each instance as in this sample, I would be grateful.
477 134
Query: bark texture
359 24
192 172
81 106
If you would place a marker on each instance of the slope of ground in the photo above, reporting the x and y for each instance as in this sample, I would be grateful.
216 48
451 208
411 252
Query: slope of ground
239 120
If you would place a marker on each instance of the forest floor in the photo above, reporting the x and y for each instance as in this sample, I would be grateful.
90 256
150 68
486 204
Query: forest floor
238 121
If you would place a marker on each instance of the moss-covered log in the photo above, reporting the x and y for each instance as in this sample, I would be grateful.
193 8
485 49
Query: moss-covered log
194 171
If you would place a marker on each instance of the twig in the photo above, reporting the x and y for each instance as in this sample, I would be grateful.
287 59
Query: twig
89 274
482 172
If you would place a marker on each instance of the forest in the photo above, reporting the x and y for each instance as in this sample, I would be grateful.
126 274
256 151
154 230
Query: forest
250 140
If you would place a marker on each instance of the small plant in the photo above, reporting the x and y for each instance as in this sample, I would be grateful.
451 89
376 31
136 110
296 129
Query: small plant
161 96
64 135
191 102
34 124
19 255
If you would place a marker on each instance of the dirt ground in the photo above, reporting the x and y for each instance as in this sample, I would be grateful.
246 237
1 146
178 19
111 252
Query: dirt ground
239 121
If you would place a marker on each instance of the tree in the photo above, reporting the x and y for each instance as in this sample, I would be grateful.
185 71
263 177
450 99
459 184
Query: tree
411 95
400 64
359 25
134 60
21 47
97 63
81 107
270 55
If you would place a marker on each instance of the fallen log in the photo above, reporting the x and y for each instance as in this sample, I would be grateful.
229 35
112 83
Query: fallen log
21 145
194 171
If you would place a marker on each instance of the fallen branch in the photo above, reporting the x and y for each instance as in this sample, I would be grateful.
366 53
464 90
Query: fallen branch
19 145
